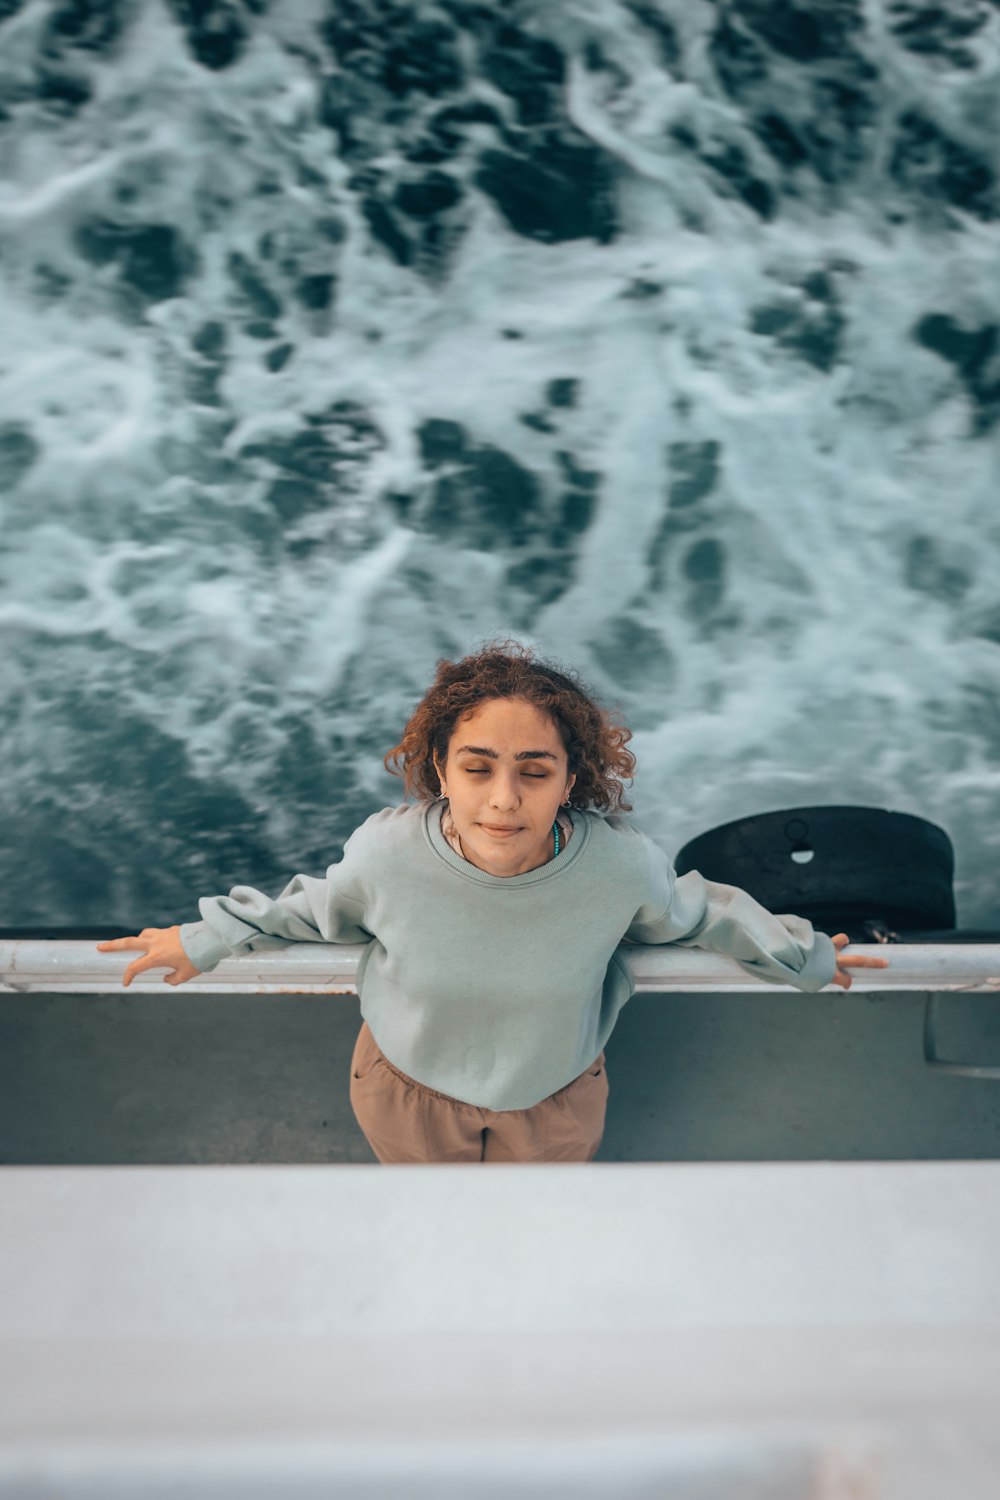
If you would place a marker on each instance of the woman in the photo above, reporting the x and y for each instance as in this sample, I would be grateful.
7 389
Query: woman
491 911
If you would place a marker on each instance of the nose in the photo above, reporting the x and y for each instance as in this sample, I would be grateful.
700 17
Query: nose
503 792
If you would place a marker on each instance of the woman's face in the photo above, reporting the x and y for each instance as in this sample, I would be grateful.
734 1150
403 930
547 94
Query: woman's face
506 769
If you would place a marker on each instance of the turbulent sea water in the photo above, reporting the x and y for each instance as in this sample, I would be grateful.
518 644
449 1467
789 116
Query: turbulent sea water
339 337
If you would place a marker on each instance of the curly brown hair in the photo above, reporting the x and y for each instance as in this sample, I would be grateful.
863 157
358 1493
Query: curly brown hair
594 742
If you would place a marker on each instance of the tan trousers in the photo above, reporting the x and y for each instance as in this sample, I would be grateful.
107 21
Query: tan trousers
404 1121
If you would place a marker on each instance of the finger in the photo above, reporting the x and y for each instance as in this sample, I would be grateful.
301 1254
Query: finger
863 961
844 980
137 966
124 942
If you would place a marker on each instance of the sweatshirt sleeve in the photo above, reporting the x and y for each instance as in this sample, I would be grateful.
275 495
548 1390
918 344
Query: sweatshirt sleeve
310 909
699 913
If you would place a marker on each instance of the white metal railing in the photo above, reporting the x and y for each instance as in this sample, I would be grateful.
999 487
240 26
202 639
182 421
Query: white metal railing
30 965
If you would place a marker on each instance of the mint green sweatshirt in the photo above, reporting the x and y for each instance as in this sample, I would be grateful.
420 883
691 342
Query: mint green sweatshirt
501 989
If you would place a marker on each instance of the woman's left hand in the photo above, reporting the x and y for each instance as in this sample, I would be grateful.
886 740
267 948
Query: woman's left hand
856 961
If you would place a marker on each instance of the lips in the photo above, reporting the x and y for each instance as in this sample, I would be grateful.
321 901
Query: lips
502 828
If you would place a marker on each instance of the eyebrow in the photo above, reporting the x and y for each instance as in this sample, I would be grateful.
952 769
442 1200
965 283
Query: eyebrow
494 755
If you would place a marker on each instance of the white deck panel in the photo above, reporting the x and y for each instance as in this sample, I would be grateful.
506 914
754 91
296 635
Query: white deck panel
823 1331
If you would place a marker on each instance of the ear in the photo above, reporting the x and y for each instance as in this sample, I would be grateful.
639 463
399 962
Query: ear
570 784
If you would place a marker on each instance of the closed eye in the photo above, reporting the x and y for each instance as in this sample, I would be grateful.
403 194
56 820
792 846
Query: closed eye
535 775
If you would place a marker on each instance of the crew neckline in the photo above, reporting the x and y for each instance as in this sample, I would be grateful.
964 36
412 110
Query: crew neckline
559 862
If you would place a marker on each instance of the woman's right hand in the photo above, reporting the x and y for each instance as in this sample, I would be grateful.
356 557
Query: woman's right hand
161 948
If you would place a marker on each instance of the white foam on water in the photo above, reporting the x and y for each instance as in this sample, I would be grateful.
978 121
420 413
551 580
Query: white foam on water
842 657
